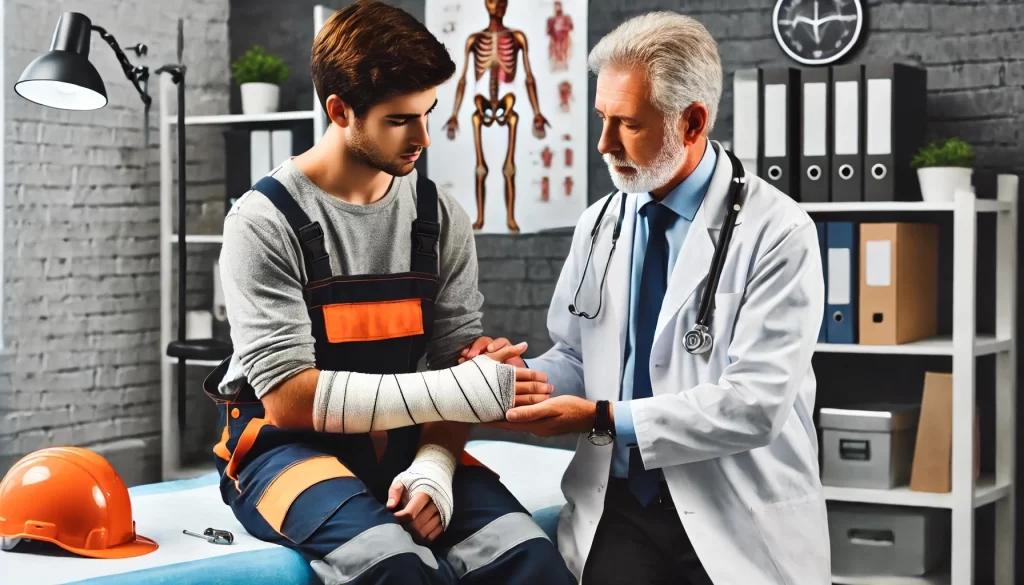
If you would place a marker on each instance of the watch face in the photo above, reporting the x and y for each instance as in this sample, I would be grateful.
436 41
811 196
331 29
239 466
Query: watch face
600 439
817 32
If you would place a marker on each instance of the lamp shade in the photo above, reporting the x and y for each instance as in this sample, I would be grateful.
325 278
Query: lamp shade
64 78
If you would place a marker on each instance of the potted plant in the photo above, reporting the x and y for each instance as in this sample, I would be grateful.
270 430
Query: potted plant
259 76
943 167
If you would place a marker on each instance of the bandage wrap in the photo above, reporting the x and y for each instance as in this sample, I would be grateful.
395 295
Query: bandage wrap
479 390
431 473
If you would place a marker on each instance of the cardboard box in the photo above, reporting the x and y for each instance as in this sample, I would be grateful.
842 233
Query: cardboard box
899 281
933 451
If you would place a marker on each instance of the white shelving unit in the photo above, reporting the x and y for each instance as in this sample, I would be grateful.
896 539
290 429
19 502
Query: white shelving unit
963 346
170 439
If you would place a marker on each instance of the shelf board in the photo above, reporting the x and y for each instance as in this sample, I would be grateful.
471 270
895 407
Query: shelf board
199 239
982 206
197 363
936 579
244 118
986 491
939 345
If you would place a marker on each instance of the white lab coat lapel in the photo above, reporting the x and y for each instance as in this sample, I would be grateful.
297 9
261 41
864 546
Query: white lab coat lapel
616 322
694 262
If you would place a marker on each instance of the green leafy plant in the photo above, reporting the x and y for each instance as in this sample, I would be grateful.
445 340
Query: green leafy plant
951 152
256 65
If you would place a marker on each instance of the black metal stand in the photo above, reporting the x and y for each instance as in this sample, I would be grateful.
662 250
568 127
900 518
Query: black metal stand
185 349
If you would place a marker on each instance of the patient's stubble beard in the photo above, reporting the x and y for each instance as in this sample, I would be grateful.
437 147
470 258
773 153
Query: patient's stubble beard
366 151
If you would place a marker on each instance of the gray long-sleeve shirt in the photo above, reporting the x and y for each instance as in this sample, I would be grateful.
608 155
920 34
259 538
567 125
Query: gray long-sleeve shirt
262 273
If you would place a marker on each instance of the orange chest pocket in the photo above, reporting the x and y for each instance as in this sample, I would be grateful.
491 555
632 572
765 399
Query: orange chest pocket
348 322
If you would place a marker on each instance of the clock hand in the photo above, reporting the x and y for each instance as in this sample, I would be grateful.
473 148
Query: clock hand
832 17
817 23
797 21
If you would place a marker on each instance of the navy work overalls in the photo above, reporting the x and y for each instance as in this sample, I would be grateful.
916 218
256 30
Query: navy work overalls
322 494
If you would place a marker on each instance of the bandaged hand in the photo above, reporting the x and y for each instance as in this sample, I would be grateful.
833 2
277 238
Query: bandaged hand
479 390
431 475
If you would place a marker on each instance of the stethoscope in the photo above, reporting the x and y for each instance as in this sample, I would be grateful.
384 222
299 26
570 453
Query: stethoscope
697 340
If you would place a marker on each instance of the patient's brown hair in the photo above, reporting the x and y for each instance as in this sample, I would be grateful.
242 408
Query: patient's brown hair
371 51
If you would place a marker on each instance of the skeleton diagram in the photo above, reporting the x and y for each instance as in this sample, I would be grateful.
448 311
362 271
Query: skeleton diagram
495 50
559 47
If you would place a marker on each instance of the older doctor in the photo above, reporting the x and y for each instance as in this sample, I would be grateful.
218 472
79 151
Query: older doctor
691 467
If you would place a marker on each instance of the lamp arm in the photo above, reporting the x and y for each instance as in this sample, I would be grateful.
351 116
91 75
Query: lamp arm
134 74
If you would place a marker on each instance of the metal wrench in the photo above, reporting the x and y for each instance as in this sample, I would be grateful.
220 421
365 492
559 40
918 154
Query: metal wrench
213 536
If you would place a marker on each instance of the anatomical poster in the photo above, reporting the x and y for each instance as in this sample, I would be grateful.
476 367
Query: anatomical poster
509 134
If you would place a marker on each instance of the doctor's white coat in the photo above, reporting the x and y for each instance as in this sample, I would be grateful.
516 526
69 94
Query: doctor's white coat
732 429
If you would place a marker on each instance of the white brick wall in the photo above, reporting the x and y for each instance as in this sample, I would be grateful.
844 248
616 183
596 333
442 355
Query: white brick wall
81 245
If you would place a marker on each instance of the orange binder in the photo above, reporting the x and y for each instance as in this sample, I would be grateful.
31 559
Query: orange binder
899 280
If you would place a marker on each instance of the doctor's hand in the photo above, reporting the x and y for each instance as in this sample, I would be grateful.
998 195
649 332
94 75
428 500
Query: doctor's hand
512 357
474 349
562 415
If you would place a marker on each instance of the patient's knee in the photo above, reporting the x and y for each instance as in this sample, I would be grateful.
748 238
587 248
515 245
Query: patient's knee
533 562
383 554
403 568
542 563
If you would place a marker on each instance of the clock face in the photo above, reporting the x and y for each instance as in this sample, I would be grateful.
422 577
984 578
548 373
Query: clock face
817 32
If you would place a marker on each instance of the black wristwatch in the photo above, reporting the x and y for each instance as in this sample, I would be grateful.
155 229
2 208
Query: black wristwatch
602 434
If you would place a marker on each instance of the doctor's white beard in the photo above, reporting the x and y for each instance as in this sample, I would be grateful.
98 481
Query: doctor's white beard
658 173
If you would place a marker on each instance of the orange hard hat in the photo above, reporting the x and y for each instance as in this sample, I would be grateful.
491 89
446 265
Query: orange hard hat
73 498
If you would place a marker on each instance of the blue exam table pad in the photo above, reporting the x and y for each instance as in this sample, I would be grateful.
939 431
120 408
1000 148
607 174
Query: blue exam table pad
162 510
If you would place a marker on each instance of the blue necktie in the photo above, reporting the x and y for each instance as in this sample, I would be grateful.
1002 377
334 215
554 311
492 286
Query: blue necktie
653 283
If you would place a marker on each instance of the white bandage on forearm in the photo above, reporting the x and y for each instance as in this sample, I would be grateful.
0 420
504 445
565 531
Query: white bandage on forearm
479 390
431 473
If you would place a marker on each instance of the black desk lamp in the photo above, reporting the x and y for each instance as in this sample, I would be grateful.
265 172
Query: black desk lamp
64 78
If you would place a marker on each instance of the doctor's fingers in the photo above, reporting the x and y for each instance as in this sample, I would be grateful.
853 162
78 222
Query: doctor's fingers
507 352
474 349
497 344
533 398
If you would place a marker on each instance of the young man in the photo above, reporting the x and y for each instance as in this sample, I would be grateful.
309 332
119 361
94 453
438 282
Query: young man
341 269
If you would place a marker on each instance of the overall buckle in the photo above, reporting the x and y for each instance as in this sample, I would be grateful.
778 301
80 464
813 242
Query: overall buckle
427 233
312 237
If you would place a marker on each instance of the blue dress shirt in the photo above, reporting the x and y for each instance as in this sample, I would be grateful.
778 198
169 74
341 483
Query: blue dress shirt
684 200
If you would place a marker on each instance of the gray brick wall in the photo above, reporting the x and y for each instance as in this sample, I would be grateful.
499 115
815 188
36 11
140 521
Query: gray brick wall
81 295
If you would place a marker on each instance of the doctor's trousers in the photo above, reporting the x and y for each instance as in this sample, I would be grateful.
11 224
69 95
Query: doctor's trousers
323 494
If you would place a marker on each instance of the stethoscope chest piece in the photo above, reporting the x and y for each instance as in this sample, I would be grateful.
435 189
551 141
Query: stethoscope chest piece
698 340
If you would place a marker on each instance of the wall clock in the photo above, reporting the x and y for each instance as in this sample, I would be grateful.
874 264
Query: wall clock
817 32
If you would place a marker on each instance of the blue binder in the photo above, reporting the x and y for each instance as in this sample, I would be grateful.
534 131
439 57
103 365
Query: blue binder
843 281
823 250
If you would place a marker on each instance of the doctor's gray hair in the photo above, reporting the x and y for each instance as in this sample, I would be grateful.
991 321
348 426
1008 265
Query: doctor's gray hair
676 53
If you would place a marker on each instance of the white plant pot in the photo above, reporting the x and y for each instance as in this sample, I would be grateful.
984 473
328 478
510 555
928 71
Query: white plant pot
260 98
938 184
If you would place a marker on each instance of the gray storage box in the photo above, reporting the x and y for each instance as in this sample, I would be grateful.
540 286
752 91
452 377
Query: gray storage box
893 541
871 446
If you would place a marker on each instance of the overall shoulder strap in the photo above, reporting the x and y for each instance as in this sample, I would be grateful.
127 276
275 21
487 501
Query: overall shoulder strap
426 229
310 234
